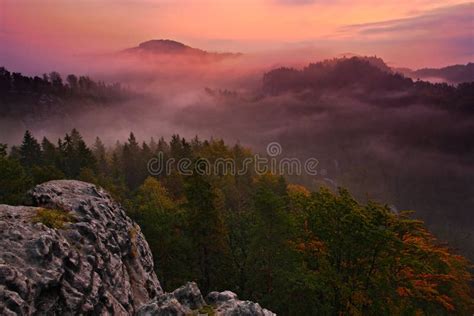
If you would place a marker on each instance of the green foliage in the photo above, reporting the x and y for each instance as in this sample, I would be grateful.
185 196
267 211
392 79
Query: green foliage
100 155
49 152
3 150
44 173
53 218
164 226
207 231
14 181
134 167
271 263
75 155
255 235
30 151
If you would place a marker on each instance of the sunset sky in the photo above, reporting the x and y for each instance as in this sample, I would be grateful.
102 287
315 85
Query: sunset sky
411 33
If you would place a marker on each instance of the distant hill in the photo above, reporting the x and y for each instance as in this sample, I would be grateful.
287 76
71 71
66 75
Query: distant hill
368 73
451 74
358 78
173 48
373 60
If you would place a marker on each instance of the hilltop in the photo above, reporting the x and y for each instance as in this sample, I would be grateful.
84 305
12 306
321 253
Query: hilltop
168 47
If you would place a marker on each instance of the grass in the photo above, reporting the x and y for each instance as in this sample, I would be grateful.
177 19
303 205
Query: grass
53 218
207 309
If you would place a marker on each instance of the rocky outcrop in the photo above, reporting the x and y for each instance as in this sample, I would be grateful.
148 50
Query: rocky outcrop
76 252
187 300
228 304
181 301
98 263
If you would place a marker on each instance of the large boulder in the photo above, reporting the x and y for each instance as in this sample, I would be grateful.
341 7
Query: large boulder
94 260
182 301
228 304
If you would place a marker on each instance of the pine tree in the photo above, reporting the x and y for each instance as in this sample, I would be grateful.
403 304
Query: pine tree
163 146
3 150
207 231
49 152
99 152
76 155
133 168
153 145
30 151
146 153
272 229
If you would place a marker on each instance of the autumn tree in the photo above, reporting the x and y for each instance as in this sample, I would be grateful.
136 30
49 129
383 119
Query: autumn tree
164 226
365 259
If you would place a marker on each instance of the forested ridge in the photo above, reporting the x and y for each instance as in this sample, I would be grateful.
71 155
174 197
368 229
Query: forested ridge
454 73
22 95
295 251
370 80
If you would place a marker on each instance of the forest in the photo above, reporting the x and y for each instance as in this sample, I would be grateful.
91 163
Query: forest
237 158
371 80
454 73
22 95
295 250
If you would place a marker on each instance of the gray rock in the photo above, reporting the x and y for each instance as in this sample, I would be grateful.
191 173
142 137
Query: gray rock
189 295
166 305
181 301
187 300
227 304
98 264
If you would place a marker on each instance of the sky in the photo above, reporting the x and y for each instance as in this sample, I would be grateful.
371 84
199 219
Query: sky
35 34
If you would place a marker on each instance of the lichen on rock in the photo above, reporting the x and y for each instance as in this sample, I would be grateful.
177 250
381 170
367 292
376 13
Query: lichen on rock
85 266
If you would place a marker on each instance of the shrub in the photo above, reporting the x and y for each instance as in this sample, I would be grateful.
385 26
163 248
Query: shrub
53 218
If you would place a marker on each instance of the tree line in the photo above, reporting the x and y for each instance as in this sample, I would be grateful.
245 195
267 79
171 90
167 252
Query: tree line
21 95
296 252
368 79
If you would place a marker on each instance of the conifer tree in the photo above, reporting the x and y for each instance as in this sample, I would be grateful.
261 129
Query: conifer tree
208 232
49 152
99 152
30 151
272 229
3 150
133 167
76 154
